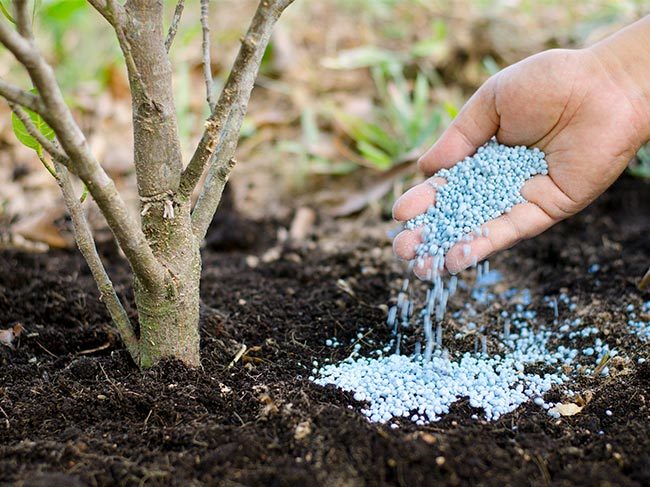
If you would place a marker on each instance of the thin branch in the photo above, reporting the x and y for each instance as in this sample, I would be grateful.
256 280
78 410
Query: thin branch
21 97
86 243
235 96
23 20
220 169
205 46
82 234
116 16
56 113
216 182
173 27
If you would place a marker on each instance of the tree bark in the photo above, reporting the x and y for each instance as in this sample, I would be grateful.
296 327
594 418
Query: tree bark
169 315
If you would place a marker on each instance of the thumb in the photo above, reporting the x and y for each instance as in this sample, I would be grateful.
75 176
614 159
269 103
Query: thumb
476 123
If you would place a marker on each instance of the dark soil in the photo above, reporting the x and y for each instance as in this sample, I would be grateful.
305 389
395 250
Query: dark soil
75 411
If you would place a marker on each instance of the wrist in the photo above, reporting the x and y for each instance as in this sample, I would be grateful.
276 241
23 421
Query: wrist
626 59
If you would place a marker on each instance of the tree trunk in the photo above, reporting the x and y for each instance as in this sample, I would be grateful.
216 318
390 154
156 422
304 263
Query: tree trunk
168 312
169 316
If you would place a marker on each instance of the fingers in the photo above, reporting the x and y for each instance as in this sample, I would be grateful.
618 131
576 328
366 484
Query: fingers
524 221
476 123
406 243
405 247
423 269
416 200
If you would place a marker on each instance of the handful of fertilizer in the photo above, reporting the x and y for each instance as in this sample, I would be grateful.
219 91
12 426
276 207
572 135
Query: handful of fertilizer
478 189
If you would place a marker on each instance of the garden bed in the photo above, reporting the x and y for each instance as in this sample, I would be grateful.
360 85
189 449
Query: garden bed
76 411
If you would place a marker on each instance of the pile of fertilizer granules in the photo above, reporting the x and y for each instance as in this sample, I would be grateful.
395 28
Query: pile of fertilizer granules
423 384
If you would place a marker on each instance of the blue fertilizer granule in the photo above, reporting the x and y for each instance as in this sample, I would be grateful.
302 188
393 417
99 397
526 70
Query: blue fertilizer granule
639 320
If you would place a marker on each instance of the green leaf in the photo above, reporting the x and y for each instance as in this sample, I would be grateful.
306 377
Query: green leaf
362 131
23 135
376 156
62 11
6 13
451 109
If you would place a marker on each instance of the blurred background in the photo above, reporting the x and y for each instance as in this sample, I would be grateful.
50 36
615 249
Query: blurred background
349 94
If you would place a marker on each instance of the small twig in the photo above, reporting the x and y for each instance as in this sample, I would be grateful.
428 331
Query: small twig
601 365
238 356
96 349
6 417
205 46
46 350
111 382
543 468
47 144
238 417
21 97
146 420
173 27
23 21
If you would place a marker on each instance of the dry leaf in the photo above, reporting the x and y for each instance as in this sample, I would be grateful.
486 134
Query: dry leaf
568 409
8 335
41 228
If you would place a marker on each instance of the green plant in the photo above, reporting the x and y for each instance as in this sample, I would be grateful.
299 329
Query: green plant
403 122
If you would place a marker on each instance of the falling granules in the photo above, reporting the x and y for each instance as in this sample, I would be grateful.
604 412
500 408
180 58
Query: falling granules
477 189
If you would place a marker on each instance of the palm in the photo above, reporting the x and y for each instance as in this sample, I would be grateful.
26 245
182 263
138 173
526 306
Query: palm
584 128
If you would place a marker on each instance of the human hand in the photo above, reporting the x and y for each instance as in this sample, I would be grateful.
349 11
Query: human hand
573 105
